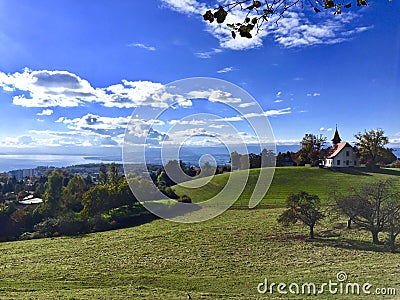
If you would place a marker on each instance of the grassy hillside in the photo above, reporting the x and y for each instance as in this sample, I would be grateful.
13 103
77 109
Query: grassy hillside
223 258
293 179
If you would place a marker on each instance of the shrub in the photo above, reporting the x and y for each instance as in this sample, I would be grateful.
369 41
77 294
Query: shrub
48 227
185 199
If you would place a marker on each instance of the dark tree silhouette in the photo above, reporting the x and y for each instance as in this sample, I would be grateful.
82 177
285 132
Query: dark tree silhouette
259 12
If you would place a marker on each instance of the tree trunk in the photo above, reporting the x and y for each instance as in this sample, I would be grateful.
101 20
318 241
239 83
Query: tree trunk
375 237
312 232
349 224
392 242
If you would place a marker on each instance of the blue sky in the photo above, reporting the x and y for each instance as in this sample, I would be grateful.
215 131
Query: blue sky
72 72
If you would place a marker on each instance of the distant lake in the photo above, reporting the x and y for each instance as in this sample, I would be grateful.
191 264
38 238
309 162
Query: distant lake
10 162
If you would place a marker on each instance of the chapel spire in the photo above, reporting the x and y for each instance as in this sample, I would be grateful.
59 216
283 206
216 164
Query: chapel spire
336 138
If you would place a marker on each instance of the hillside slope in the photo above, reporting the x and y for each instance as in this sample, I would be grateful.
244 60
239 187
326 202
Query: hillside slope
292 179
223 258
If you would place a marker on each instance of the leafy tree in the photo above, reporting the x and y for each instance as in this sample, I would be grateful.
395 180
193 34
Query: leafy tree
88 180
371 146
8 187
235 161
387 156
40 189
259 12
311 146
103 176
114 177
73 193
172 167
96 201
268 158
52 195
370 206
302 207
124 194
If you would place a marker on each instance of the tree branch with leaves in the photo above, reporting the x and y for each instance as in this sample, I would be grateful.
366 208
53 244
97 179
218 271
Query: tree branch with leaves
259 12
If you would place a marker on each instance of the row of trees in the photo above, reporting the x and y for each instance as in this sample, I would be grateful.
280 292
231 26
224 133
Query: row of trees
369 147
73 205
250 161
374 207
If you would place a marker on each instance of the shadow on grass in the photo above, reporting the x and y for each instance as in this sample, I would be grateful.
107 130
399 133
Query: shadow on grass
366 171
352 171
350 244
386 172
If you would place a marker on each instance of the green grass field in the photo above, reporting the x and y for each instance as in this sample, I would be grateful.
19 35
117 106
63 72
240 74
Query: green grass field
223 258
292 179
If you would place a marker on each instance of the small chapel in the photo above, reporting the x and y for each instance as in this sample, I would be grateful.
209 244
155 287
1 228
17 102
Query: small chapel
341 155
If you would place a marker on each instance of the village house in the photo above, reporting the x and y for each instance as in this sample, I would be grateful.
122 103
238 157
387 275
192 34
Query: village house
341 155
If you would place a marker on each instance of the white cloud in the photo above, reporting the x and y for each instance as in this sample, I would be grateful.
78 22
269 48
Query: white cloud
278 94
64 89
313 94
96 123
188 122
248 104
47 88
224 97
329 129
229 119
322 129
287 142
23 140
208 54
143 46
294 29
278 101
219 126
226 70
268 113
45 112
185 6
214 96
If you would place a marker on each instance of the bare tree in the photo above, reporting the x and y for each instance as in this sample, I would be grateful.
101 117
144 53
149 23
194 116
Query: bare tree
372 207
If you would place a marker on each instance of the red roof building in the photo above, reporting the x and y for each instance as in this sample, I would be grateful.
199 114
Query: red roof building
341 155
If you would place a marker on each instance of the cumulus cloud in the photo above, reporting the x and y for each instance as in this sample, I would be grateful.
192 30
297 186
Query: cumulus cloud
45 112
295 29
47 88
64 89
214 96
185 6
97 124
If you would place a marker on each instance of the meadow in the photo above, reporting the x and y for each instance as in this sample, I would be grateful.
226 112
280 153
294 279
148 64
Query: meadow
223 258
